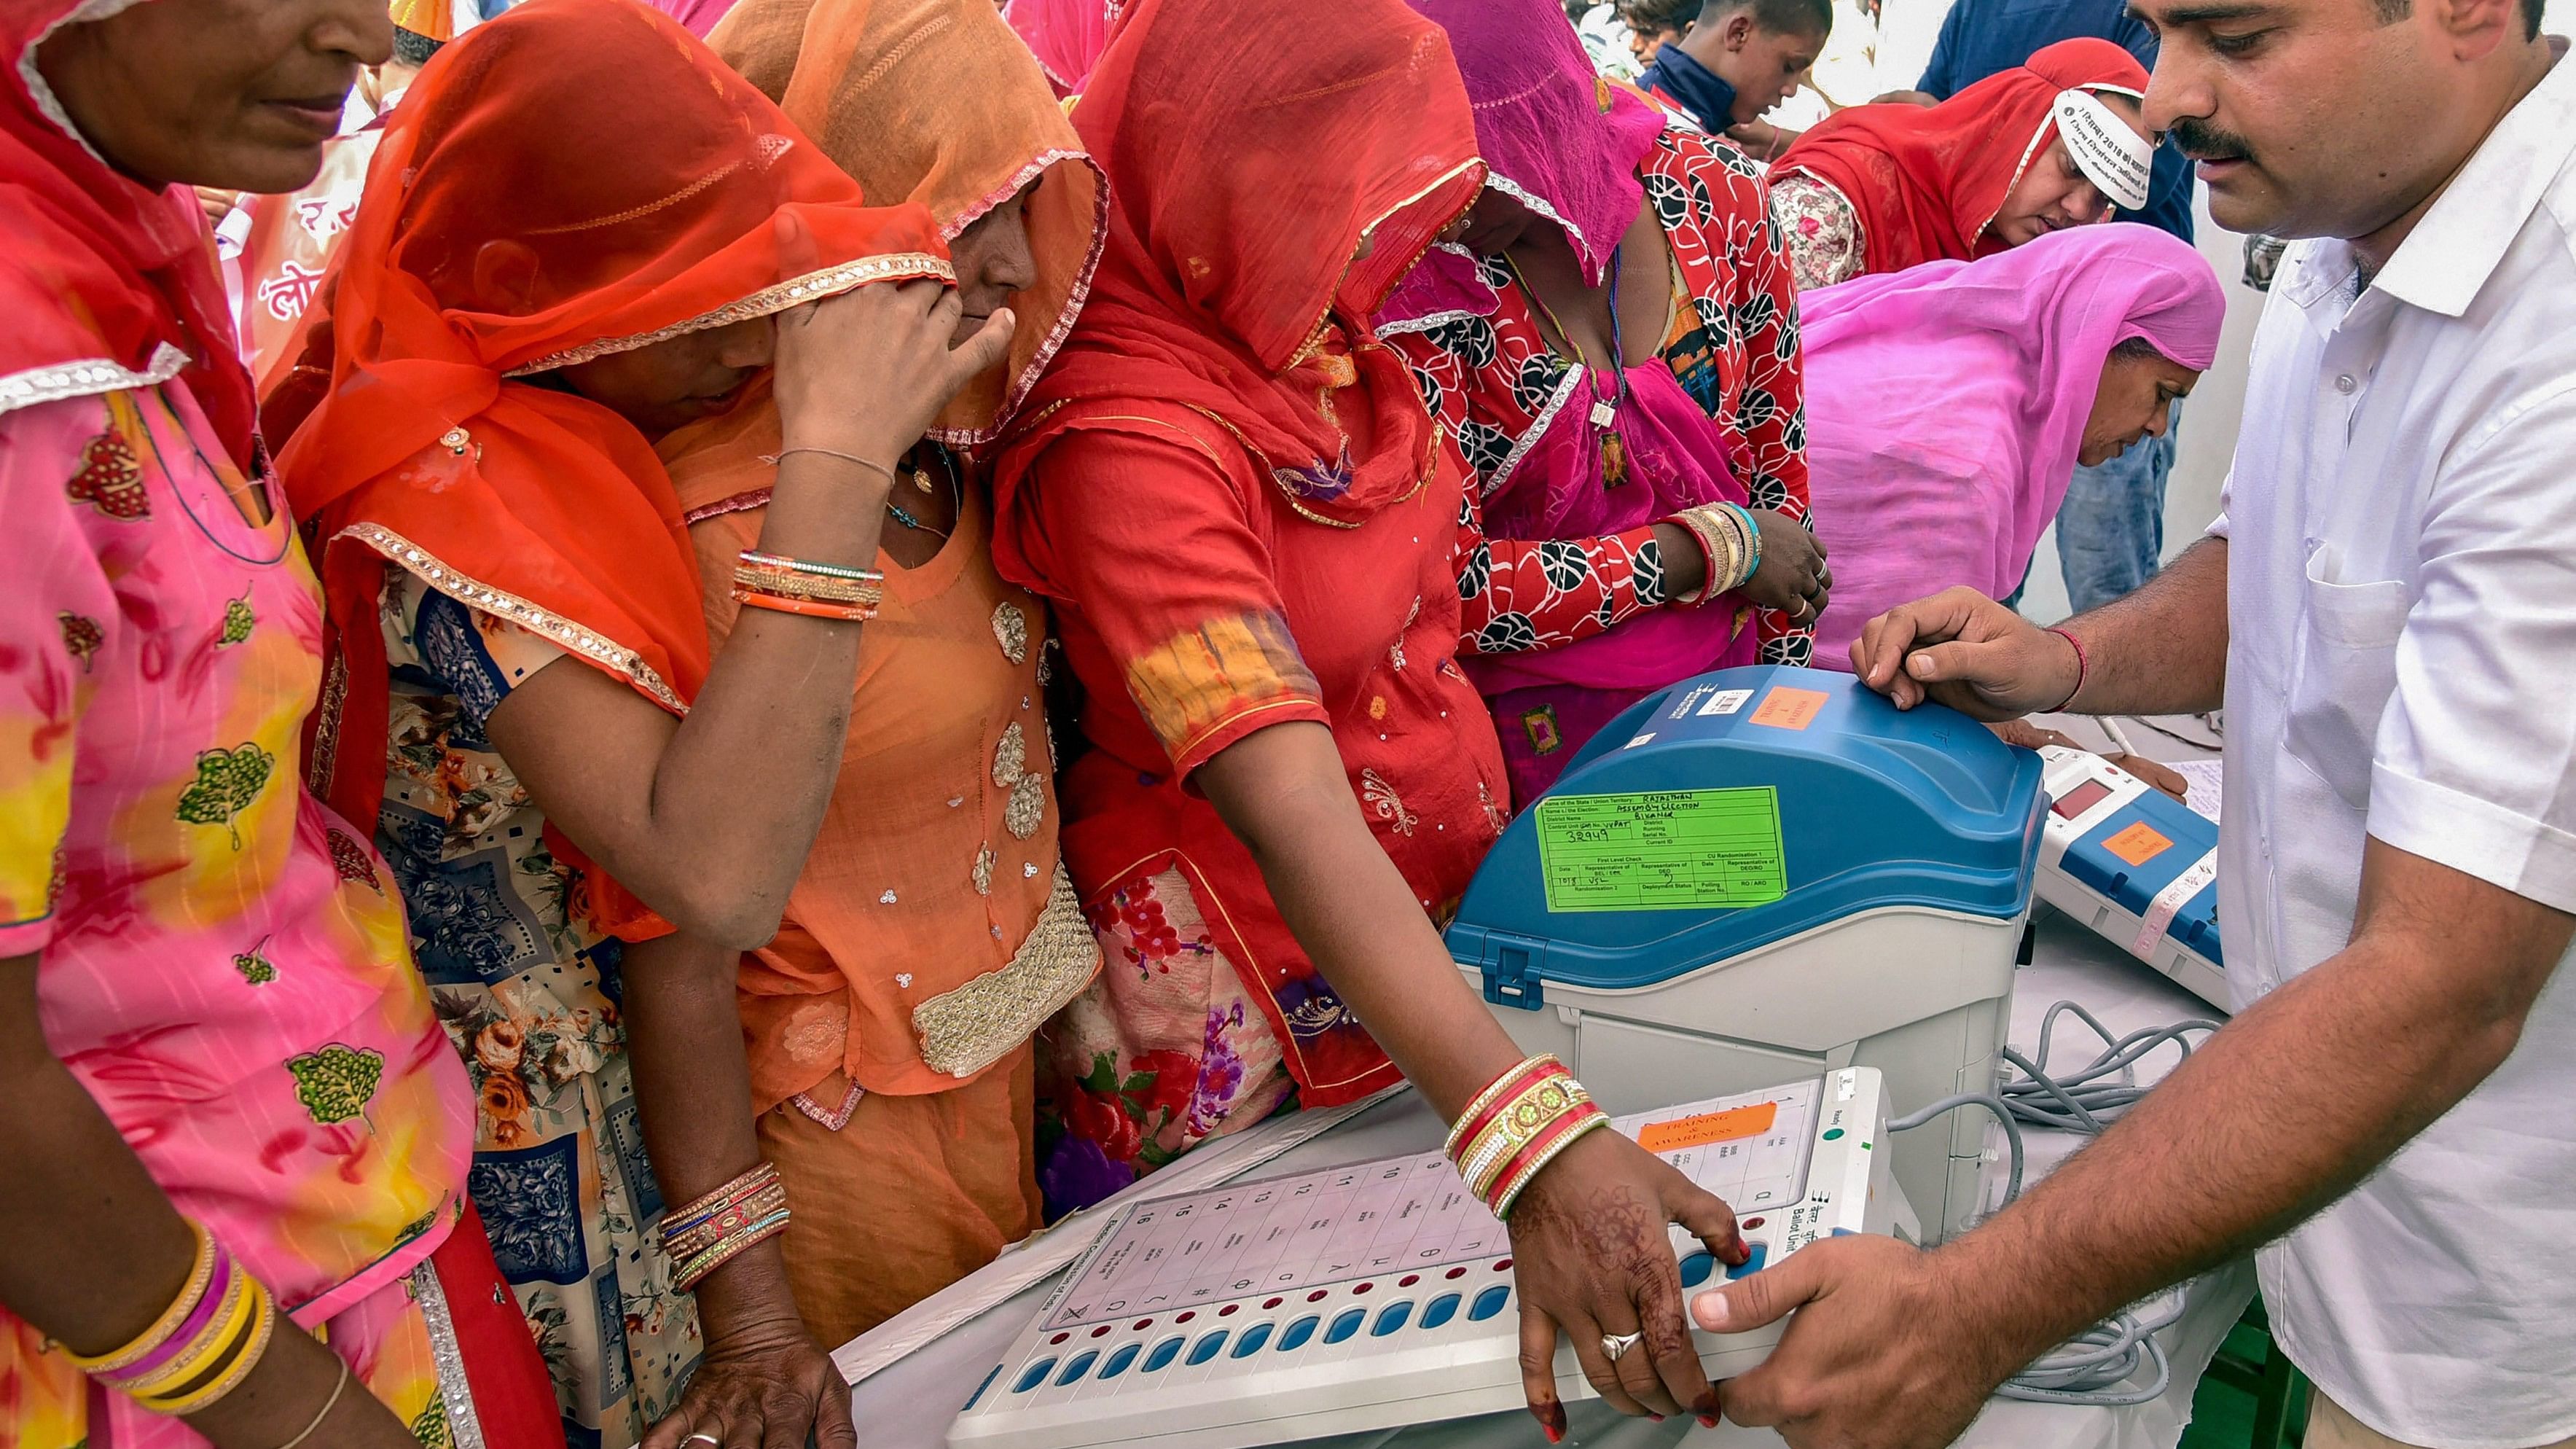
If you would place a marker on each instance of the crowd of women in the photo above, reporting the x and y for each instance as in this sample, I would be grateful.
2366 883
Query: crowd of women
839 658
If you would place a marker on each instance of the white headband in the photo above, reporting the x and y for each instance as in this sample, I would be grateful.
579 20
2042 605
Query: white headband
2107 149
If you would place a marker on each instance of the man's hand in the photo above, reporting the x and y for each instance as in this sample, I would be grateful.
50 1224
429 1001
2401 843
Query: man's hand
1883 1354
1964 650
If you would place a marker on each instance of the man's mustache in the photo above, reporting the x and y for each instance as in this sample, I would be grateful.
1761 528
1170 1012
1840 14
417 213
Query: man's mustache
2202 141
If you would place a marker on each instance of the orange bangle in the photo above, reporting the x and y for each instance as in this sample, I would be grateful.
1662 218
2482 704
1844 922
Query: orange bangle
812 609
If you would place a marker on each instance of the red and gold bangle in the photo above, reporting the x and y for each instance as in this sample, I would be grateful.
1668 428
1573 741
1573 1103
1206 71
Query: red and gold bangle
1490 1157
1480 1112
809 608
1516 1126
1542 1150
694 1271
696 1238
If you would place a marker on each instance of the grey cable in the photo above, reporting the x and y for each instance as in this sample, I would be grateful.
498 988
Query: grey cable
2094 1367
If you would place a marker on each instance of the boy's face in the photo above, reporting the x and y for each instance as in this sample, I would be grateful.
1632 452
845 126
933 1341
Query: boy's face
1764 65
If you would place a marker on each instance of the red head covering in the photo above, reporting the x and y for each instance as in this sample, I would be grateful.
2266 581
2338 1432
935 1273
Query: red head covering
106 283
518 220
1927 182
1249 149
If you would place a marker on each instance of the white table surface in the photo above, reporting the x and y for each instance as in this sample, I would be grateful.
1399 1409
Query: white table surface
908 1402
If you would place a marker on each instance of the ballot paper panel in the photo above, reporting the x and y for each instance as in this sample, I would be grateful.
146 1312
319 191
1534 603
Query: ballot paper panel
1379 1294
1397 1215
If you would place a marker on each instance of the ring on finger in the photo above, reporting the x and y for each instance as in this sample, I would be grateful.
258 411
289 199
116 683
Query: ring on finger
1615 1344
702 1437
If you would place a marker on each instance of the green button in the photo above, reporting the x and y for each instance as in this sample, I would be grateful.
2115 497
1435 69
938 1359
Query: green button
1833 1134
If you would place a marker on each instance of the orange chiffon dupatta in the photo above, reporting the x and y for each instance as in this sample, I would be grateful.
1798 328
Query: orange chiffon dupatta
518 219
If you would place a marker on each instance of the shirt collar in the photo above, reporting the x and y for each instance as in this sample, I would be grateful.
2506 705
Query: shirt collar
1692 86
2448 257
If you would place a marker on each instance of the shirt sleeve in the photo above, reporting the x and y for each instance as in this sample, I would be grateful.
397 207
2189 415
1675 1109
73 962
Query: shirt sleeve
1819 230
2477 748
1940 73
1518 595
1152 543
58 615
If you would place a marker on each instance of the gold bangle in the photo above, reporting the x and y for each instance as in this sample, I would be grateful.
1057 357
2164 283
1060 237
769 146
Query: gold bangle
789 583
170 1319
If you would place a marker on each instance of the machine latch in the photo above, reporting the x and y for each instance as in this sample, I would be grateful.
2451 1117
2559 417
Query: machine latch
1511 971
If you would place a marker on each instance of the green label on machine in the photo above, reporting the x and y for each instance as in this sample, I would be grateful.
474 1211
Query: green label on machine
1667 850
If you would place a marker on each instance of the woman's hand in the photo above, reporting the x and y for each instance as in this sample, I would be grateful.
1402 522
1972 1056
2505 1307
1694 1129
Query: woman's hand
1793 577
1591 1256
761 1384
865 372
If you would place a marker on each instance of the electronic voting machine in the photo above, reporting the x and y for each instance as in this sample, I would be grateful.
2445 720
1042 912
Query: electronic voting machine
1380 1294
2135 865
1767 871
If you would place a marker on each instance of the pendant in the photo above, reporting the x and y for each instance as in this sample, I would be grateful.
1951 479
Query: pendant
1604 413
921 478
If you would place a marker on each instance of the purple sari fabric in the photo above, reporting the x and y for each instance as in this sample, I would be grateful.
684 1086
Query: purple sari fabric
1568 145
1555 136
1946 403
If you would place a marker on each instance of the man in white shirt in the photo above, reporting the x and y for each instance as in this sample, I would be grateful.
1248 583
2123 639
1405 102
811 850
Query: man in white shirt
2388 609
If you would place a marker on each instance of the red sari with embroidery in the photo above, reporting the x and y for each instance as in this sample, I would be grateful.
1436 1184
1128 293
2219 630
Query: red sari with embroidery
1246 517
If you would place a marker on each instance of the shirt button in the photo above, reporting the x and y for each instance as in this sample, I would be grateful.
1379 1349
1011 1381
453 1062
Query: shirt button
2345 384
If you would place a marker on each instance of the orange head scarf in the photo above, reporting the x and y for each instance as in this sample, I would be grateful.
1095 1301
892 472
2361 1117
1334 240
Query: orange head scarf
1927 182
1250 146
106 283
936 101
515 166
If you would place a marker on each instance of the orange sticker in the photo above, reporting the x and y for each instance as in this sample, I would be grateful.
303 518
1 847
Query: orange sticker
1709 1127
1789 709
2138 844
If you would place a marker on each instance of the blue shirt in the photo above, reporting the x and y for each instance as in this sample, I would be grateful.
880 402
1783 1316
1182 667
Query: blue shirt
1695 88
1981 37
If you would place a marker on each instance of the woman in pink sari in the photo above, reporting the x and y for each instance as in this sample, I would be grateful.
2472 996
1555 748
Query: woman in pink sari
1949 404
1613 341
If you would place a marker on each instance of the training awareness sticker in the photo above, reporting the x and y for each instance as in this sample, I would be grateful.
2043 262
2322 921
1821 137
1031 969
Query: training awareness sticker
1661 850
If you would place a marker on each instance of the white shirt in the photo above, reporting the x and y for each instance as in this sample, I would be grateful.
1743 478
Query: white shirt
2402 663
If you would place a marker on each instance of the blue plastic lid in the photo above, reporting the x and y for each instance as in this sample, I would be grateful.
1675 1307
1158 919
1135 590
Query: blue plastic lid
1740 808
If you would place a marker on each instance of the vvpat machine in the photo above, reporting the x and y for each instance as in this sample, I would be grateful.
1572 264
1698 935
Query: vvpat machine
1769 872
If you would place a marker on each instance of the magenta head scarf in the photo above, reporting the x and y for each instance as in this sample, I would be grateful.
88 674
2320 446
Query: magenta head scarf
1946 402
1556 137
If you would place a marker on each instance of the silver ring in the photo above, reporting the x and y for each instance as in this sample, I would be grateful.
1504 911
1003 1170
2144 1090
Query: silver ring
1615 1344
702 1437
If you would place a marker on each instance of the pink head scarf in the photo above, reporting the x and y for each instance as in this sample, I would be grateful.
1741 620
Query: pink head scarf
1945 404
1555 136
1066 36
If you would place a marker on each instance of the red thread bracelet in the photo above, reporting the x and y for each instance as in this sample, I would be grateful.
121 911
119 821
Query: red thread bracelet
2083 666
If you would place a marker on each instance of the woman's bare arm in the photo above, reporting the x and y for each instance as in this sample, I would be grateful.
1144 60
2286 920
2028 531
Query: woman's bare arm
96 1252
708 819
